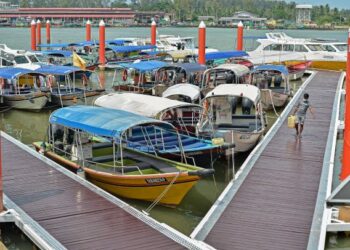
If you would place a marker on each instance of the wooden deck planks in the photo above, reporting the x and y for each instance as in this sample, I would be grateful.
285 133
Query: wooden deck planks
71 213
273 208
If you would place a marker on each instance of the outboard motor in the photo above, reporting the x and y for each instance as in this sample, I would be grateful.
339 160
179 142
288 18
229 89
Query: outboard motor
229 77
234 104
58 132
246 106
278 81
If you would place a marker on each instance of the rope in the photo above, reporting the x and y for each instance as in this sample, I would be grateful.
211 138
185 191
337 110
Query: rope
273 105
156 201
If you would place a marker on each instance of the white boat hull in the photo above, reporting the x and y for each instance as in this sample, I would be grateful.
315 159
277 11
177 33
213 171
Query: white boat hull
26 102
270 98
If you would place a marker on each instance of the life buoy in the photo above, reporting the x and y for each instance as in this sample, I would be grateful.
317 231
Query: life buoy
125 75
85 80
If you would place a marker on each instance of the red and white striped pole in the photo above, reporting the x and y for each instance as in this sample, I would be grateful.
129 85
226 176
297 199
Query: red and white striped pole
48 32
240 36
33 35
153 33
102 36
201 43
88 30
346 146
1 183
38 30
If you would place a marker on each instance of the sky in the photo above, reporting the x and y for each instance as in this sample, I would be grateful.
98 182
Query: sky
340 4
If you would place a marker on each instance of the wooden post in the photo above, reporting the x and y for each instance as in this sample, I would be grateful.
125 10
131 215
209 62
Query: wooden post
38 30
201 43
48 32
346 146
88 30
240 36
102 36
33 35
154 33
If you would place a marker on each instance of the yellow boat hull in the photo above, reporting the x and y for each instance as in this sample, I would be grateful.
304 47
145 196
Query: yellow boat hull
326 65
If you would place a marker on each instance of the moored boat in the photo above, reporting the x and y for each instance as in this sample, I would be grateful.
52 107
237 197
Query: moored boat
20 89
109 164
273 81
222 117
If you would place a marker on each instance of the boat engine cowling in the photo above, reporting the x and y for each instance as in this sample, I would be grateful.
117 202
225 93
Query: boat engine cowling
57 132
234 104
246 106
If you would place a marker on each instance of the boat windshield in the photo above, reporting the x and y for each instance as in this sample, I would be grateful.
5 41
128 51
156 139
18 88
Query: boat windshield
33 58
21 59
315 47
341 47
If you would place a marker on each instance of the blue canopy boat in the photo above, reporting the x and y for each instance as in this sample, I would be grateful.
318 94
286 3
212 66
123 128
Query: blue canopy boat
273 81
112 164
221 57
20 89
64 89
136 77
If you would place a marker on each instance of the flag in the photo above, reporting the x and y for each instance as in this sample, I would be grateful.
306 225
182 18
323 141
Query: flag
78 61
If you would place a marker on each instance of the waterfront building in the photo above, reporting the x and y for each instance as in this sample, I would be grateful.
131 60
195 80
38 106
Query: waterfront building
303 13
247 18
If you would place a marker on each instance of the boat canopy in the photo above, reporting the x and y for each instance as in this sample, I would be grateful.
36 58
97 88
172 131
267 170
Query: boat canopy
80 44
147 105
125 49
183 89
102 121
145 66
12 73
238 69
241 90
224 54
181 54
270 67
58 53
57 70
187 67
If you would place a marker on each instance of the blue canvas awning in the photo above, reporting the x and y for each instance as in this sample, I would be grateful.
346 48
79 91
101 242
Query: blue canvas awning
145 66
224 54
101 121
123 49
57 70
116 42
271 67
12 73
60 53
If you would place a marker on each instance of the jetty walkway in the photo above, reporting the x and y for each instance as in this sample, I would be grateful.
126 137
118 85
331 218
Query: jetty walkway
271 205
70 213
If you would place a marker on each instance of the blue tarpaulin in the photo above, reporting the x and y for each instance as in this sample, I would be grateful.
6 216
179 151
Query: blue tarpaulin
145 66
123 49
12 73
101 121
57 70
270 67
224 54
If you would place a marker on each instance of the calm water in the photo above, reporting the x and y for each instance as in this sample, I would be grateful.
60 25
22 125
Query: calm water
29 126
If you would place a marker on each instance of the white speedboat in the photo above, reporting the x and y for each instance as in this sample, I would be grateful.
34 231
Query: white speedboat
278 47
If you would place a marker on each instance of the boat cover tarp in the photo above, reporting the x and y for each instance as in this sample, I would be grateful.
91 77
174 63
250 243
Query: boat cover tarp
63 53
183 89
145 66
224 54
270 67
57 70
146 105
125 49
241 90
12 73
101 121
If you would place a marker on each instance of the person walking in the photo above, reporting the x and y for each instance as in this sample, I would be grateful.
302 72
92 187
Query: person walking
300 112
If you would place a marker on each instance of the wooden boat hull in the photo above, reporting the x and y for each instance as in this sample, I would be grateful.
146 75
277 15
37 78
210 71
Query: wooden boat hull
145 187
132 88
32 101
277 99
75 99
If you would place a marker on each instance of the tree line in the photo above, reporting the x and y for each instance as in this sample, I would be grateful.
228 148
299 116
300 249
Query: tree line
189 10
